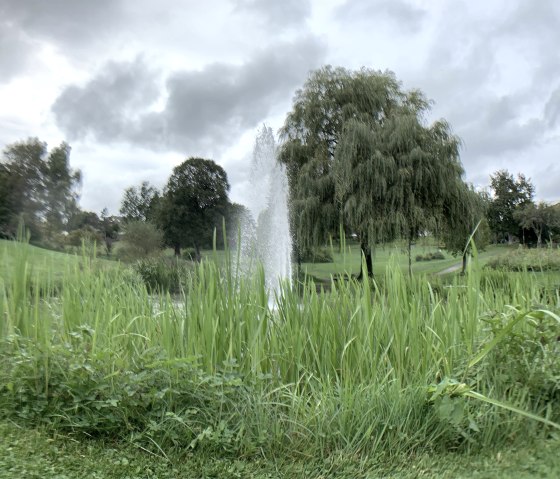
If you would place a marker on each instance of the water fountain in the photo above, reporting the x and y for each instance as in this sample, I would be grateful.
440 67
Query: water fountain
265 236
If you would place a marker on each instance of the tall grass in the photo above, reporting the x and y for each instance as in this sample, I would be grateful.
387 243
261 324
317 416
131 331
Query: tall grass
234 367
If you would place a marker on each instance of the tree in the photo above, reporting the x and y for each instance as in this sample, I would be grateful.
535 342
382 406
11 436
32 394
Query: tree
538 218
110 228
193 204
509 195
463 220
358 153
139 203
42 187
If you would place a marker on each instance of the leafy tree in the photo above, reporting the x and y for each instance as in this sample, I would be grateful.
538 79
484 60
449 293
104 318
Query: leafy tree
538 218
464 219
358 153
194 202
42 187
509 195
79 219
60 183
110 227
139 203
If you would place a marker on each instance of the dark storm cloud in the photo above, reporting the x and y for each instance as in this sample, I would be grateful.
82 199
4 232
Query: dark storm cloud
406 16
277 14
205 109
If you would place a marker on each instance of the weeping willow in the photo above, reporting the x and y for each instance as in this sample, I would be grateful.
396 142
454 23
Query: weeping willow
359 153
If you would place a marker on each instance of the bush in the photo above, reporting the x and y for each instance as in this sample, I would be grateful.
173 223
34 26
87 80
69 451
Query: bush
430 256
542 259
142 239
162 274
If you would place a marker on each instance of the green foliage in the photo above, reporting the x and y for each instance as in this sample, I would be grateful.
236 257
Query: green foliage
140 203
542 219
436 255
509 195
40 186
162 274
224 372
141 239
193 203
359 153
524 259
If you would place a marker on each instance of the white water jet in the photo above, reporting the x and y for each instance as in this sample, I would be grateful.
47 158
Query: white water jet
266 235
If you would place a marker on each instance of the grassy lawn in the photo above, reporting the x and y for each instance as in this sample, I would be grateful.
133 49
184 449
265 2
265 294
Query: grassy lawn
31 453
350 261
46 265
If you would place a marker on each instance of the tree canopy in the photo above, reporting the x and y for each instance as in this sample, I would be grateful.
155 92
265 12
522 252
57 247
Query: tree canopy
139 203
509 195
194 202
40 187
358 152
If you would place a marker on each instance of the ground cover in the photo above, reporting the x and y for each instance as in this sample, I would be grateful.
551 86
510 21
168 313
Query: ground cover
363 378
31 453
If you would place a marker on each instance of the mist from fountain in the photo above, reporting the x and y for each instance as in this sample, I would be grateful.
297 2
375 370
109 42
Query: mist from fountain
265 235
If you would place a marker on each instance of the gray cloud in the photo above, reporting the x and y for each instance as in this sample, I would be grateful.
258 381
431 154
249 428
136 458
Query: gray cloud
401 13
15 52
499 113
106 106
69 24
205 109
552 109
68 21
278 15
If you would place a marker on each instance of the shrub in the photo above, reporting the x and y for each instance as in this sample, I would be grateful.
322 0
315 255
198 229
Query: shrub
142 239
542 259
430 256
162 274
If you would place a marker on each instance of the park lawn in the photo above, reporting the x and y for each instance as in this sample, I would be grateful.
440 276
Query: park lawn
350 261
35 453
47 266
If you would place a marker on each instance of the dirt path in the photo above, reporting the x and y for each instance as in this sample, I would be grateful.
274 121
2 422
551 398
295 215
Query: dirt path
451 269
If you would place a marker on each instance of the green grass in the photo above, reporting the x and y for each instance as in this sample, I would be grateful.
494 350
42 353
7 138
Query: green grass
350 261
32 453
45 265
366 376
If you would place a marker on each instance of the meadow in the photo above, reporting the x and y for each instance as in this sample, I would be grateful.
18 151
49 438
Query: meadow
369 376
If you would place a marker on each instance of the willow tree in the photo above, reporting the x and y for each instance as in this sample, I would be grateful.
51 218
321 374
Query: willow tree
464 223
360 153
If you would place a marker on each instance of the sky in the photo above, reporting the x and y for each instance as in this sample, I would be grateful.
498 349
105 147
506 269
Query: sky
138 86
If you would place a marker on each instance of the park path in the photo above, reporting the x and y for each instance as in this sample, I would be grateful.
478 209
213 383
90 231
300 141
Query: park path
451 269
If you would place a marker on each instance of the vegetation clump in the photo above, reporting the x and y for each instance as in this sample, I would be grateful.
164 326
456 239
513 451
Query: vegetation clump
435 255
528 259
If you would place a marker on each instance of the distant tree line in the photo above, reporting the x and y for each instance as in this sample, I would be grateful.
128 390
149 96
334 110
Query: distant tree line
39 189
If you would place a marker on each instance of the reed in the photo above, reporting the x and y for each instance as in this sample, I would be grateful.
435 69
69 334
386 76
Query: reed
229 365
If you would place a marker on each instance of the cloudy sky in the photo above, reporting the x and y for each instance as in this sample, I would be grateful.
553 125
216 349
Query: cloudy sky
137 86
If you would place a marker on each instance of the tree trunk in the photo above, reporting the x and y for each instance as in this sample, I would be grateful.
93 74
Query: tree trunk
464 268
197 256
410 255
177 248
366 252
